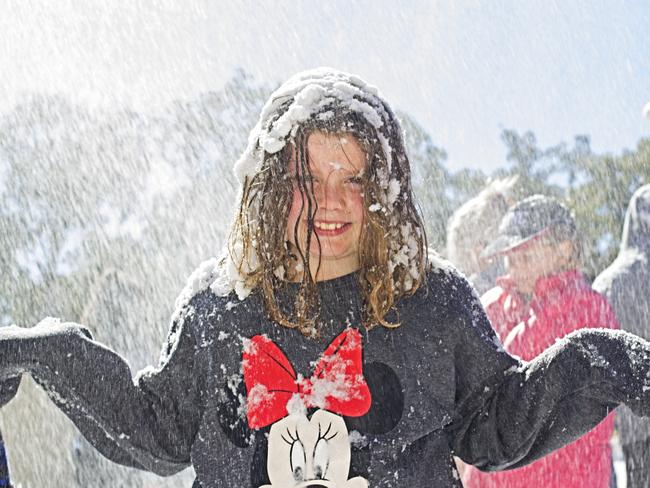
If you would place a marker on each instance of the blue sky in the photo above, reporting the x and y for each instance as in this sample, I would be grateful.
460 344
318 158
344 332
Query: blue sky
465 69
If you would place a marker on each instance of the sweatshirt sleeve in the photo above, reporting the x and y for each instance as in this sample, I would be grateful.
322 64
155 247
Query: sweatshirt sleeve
509 412
148 422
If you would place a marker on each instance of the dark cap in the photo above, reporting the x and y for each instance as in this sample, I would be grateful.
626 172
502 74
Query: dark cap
529 219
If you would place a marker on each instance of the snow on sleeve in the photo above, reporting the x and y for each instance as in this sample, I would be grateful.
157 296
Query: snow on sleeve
49 322
600 352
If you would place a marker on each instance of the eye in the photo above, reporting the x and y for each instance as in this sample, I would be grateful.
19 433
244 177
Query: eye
355 180
321 458
298 460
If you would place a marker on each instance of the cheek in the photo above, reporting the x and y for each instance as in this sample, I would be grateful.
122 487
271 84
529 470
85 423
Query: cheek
356 206
552 263
294 211
513 265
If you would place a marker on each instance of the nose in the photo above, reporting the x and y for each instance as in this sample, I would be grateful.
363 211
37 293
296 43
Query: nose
316 485
331 195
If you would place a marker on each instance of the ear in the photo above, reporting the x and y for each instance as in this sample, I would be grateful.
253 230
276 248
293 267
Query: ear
357 482
233 423
387 401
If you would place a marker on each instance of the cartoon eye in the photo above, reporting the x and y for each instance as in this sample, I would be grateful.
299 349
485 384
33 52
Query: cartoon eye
298 460
321 458
297 456
322 452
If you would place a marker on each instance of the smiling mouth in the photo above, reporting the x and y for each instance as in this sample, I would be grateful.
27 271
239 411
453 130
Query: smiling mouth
329 229
329 225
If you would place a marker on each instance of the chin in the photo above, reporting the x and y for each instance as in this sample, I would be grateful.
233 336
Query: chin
333 250
333 255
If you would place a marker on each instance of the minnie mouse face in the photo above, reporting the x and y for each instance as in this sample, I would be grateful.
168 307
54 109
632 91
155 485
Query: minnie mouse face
314 451
310 453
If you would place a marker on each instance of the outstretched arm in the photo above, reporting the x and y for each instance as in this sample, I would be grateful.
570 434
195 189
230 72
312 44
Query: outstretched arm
551 401
148 423
509 412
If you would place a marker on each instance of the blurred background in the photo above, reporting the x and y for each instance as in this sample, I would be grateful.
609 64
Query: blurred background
120 122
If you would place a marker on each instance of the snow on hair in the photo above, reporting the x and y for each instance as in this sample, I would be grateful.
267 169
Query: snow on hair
309 93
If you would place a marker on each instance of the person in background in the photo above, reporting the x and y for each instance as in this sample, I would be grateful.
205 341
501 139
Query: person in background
474 225
626 284
542 298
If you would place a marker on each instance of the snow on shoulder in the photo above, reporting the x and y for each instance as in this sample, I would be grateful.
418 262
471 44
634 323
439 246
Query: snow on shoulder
208 274
438 264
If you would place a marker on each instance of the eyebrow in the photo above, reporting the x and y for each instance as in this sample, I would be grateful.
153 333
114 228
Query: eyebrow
351 171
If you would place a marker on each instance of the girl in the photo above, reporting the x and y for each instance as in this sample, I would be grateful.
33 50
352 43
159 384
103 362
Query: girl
326 348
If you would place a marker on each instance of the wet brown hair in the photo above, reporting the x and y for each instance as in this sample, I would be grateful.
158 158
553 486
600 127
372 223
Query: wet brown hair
392 247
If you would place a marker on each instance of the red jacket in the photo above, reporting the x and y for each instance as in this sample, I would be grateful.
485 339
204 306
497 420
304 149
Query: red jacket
560 304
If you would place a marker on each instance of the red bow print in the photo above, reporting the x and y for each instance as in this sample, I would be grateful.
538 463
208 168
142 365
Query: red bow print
337 383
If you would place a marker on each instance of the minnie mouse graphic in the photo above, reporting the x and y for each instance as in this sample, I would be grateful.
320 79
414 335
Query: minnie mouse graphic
307 451
310 453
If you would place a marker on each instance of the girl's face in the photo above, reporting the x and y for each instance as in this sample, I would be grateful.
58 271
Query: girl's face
337 164
537 259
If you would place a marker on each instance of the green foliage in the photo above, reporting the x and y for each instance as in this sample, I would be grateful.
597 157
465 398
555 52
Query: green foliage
599 197
430 179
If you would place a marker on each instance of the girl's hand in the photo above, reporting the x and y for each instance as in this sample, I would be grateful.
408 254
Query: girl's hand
22 348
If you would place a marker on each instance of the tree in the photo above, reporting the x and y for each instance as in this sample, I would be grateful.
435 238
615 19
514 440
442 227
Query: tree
602 188
430 179
597 188
103 215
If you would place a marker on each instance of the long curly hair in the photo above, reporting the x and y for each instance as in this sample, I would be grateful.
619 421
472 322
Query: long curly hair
392 247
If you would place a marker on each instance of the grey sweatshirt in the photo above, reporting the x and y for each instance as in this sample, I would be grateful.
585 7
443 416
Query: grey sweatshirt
438 385
626 284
